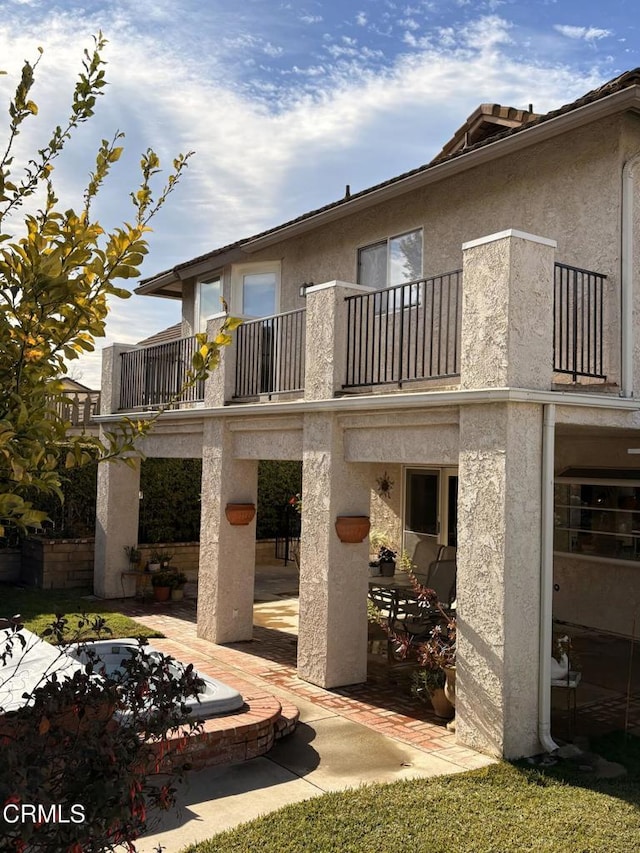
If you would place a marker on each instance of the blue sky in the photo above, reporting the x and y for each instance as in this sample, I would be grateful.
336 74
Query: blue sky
285 103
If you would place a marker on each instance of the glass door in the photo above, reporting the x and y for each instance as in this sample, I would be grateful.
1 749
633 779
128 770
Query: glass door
421 516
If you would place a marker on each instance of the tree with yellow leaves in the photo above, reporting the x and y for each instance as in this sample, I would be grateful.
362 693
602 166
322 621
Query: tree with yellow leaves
55 281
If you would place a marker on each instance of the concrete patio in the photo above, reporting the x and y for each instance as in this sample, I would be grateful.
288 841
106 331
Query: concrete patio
346 737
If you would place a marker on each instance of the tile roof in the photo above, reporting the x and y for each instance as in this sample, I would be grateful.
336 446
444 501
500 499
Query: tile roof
623 81
171 333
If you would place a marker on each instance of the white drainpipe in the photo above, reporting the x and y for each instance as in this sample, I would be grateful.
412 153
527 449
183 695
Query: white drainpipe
626 277
546 579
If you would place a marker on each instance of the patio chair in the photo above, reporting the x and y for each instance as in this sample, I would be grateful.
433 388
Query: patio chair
441 577
405 613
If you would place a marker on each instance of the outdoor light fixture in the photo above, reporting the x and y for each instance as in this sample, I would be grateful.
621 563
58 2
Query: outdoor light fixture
302 290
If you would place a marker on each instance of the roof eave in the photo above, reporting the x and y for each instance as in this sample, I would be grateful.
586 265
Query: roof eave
530 134
627 99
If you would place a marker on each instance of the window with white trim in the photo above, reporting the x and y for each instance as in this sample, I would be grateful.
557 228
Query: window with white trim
256 289
208 301
397 260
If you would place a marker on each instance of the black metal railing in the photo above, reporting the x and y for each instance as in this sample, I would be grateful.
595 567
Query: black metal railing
403 333
270 355
153 376
578 319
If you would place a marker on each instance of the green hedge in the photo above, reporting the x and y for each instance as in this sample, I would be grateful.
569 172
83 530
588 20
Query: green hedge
170 505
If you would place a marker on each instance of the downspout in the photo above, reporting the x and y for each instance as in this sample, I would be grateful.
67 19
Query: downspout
546 579
626 278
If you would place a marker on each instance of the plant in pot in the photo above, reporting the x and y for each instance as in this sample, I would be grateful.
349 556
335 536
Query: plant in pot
436 651
134 556
387 561
428 685
177 588
164 558
384 562
162 583
154 561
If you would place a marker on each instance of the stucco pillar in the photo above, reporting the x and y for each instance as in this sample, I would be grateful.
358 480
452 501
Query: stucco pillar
326 338
332 637
507 311
220 384
117 510
227 553
498 557
111 378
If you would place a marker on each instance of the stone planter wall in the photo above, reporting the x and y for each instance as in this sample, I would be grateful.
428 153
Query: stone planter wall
67 563
57 563
10 560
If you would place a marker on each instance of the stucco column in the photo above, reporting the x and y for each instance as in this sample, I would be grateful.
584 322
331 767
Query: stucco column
499 516
227 552
332 637
111 381
507 311
326 338
117 510
220 385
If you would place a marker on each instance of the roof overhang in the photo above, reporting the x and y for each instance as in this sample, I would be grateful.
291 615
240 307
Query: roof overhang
169 284
627 99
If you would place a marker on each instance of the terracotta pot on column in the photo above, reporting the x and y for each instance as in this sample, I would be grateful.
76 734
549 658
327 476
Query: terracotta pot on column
352 528
239 514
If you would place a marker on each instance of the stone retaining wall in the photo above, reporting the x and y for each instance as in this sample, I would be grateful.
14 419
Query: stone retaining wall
10 561
57 563
67 563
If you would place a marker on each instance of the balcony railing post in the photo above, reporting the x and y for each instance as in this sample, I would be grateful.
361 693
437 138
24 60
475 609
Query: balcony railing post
507 312
111 386
328 319
219 387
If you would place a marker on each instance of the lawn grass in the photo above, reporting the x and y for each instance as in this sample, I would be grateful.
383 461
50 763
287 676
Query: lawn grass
504 808
38 608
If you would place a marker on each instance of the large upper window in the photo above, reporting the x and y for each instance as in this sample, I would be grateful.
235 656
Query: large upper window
208 300
256 289
393 261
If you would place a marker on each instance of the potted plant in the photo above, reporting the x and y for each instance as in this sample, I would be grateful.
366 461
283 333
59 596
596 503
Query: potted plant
428 685
134 555
387 561
154 561
383 546
438 650
162 582
178 584
164 558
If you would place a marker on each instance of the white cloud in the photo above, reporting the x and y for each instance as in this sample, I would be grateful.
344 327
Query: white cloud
311 19
361 19
589 34
266 151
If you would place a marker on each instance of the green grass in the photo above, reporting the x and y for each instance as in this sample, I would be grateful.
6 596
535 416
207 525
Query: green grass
38 607
501 809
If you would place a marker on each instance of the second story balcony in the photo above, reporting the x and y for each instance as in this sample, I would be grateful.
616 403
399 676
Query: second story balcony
399 337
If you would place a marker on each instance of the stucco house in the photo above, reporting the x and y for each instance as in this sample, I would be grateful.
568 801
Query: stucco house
468 329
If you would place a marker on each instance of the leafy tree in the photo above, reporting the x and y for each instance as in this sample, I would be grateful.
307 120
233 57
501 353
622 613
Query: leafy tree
55 283
58 270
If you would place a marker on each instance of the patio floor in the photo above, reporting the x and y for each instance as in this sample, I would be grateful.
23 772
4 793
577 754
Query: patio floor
384 703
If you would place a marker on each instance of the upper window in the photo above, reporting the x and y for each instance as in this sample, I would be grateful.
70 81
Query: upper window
394 261
256 289
208 300
259 294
